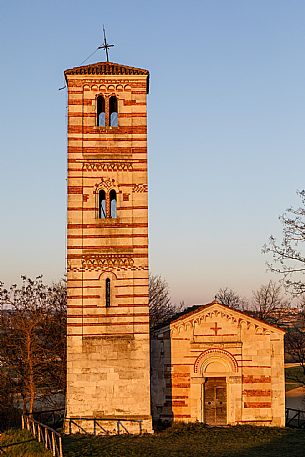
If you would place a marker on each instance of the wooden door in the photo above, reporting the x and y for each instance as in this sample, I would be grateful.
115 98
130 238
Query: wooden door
215 401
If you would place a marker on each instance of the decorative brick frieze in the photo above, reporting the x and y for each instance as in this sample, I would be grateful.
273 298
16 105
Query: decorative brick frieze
140 188
105 183
107 166
105 262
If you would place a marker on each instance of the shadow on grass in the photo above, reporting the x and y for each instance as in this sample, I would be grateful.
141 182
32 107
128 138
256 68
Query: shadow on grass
191 441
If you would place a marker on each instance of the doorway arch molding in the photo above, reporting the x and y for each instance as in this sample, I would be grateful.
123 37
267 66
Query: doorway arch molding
215 354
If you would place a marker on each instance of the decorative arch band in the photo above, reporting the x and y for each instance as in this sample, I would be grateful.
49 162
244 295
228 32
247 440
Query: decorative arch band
214 352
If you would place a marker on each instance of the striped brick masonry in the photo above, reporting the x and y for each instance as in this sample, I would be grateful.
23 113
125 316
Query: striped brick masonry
108 347
241 357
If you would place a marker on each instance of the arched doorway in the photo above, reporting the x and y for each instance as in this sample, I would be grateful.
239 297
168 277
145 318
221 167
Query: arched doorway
214 400
215 367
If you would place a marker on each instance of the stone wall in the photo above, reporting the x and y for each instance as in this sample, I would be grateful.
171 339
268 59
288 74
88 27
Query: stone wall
216 341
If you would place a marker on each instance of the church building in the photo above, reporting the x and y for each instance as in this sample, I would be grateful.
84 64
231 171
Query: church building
216 365
211 364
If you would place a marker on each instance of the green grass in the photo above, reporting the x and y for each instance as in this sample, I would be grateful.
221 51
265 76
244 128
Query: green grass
192 440
294 377
27 447
184 440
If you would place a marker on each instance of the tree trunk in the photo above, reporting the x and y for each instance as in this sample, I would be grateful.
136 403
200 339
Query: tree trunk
23 403
31 381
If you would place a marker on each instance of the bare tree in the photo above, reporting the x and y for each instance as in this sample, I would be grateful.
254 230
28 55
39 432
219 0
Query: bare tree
288 255
295 349
299 318
295 344
269 303
7 411
161 308
53 333
230 298
32 338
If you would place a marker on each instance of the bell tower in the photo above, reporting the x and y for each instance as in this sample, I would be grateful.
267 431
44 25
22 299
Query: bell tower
108 373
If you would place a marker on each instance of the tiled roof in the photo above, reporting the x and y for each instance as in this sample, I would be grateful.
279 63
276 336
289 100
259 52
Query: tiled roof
106 68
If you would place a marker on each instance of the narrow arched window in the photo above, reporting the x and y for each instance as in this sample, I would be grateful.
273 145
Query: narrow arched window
112 196
100 111
113 111
102 204
108 291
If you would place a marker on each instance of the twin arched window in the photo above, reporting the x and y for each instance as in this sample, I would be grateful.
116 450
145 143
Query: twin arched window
107 204
102 214
100 111
113 112
112 197
107 111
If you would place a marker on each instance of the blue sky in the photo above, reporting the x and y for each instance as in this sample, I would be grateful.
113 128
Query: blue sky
226 130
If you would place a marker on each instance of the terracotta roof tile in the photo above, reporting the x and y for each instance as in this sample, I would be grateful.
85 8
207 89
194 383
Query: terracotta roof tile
106 68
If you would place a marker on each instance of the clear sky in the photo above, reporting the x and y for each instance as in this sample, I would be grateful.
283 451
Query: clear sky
226 130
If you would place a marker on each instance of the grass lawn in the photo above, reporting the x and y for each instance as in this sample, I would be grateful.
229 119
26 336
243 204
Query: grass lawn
191 441
188 440
294 377
27 447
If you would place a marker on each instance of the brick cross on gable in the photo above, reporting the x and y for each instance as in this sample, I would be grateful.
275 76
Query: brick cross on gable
216 328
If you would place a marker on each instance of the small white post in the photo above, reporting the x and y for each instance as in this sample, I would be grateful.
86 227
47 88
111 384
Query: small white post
53 445
60 447
45 437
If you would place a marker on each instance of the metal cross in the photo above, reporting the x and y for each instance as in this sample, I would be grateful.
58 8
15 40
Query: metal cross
216 328
105 46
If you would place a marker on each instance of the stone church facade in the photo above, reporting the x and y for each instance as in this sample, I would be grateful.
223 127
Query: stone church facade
219 366
211 356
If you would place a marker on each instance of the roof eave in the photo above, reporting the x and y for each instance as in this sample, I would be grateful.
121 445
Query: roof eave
116 68
202 307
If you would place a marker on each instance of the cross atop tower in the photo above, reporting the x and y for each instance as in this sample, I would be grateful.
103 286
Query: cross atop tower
105 46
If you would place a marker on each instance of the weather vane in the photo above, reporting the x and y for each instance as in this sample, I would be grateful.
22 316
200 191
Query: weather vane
105 46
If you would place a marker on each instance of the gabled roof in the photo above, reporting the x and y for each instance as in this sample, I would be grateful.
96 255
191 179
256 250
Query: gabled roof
106 68
196 309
